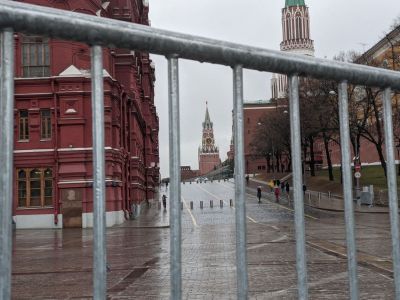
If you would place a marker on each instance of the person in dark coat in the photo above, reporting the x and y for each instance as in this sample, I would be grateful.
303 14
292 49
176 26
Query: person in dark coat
287 187
282 187
259 194
304 189
164 201
276 192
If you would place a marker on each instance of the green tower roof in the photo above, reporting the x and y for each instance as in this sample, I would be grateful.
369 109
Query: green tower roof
294 3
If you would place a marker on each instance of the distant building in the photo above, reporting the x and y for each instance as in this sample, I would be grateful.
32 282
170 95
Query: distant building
208 152
384 54
187 173
296 39
254 113
53 174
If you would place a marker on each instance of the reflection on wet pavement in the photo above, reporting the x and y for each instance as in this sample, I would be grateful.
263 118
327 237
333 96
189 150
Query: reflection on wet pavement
57 264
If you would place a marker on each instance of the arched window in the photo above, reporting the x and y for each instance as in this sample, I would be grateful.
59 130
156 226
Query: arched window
299 27
287 36
35 187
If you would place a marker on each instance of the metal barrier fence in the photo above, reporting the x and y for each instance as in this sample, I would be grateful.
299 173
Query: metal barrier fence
66 25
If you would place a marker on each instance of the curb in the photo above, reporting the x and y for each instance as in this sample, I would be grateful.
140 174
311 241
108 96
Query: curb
329 209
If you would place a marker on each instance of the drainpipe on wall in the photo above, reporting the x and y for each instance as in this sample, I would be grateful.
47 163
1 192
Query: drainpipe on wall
56 198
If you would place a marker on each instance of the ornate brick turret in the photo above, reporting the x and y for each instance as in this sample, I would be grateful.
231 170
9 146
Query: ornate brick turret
296 39
208 151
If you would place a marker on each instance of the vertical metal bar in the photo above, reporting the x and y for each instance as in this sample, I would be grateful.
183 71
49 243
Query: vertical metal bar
241 255
347 189
392 187
99 242
298 195
6 160
175 178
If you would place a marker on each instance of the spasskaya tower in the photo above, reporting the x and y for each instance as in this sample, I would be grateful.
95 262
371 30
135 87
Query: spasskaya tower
208 152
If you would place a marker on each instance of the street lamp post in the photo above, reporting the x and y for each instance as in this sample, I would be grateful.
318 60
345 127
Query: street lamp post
357 165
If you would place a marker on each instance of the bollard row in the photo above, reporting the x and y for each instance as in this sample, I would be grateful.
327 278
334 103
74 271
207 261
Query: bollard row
201 204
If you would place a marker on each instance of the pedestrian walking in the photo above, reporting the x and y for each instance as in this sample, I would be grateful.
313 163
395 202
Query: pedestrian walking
164 201
247 179
276 191
287 187
304 189
259 194
282 187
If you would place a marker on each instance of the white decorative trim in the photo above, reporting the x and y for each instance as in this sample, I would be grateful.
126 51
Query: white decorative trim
62 150
83 149
71 71
85 181
33 150
105 5
112 218
74 149
260 107
37 221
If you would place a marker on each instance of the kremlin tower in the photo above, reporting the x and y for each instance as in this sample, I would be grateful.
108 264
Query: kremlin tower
208 153
296 39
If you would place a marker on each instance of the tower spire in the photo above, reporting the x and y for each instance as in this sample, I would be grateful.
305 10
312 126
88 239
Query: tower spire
207 119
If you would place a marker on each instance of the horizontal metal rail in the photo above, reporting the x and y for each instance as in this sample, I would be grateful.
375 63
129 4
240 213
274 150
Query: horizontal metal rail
87 29
68 25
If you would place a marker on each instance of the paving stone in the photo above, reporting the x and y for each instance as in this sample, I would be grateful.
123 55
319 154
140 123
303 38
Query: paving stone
57 264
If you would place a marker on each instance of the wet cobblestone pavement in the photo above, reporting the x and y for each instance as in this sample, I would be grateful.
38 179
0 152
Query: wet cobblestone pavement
57 264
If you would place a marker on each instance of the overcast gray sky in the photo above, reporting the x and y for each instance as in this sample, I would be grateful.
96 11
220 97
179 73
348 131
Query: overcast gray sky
336 25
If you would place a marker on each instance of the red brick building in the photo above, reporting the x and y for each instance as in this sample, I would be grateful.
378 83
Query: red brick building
253 113
208 152
53 125
187 173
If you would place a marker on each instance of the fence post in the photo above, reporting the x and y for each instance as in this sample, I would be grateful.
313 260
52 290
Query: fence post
392 187
241 255
6 159
298 196
99 241
347 189
175 177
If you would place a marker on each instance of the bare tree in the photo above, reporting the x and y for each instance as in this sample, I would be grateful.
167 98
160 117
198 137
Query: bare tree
319 120
272 138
